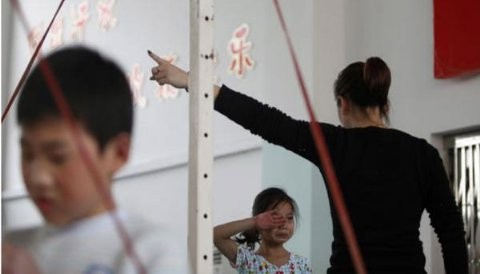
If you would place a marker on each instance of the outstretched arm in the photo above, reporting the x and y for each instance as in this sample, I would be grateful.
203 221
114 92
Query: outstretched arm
268 122
222 234
166 73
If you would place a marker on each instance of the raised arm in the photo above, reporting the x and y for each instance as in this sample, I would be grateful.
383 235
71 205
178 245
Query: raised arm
260 119
222 234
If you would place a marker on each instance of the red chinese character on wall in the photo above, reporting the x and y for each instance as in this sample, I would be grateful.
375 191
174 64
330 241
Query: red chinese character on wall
34 36
136 78
56 33
106 19
80 18
239 48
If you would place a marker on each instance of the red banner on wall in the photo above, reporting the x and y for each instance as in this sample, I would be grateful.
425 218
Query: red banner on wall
456 37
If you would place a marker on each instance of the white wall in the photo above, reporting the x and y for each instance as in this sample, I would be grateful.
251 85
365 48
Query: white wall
327 35
281 167
162 196
328 57
152 188
161 129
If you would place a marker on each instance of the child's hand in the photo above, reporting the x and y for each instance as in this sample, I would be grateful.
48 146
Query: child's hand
166 73
268 220
17 261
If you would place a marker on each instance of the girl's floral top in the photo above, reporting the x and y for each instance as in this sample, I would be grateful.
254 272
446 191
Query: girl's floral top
250 263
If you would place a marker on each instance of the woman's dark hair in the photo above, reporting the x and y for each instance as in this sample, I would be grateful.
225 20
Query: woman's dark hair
365 84
266 200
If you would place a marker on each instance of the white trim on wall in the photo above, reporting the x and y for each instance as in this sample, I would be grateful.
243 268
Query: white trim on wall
12 194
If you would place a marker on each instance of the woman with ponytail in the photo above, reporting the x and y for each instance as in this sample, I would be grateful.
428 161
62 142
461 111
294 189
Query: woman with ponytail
388 177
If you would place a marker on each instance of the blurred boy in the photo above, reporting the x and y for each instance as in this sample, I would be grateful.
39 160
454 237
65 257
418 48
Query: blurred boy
80 236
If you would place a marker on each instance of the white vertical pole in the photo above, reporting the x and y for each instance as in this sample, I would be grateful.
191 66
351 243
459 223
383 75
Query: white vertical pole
200 233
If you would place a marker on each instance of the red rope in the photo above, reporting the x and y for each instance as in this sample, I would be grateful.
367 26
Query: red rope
86 157
66 113
32 59
322 150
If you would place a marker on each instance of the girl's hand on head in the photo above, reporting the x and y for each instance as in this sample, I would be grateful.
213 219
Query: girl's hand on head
268 220
166 73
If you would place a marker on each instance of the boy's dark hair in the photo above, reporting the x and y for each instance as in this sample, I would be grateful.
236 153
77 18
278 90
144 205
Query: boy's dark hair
95 88
266 200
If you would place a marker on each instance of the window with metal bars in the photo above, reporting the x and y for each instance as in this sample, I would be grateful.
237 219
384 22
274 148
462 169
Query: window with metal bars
464 166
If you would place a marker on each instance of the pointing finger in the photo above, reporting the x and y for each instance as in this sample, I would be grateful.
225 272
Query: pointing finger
156 57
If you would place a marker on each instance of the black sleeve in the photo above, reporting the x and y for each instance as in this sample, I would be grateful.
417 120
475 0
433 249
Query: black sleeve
445 215
270 123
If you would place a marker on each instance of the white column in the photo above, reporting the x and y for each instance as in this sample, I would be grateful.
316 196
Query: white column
329 56
200 234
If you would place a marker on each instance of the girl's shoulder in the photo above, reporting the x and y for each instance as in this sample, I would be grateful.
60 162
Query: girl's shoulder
250 262
302 263
299 258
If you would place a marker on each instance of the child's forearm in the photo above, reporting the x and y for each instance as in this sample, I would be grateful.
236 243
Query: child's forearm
222 236
227 230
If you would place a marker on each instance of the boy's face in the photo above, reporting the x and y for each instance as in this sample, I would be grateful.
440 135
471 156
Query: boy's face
56 176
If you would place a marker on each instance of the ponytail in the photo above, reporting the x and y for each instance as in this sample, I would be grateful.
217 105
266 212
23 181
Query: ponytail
376 76
365 84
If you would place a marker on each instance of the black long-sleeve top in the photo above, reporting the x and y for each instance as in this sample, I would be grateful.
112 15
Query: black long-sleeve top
387 178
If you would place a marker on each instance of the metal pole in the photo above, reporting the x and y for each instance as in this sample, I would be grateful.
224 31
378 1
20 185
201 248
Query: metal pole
200 233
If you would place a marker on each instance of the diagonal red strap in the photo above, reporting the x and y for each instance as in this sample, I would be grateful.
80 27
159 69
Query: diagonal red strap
324 155
14 95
